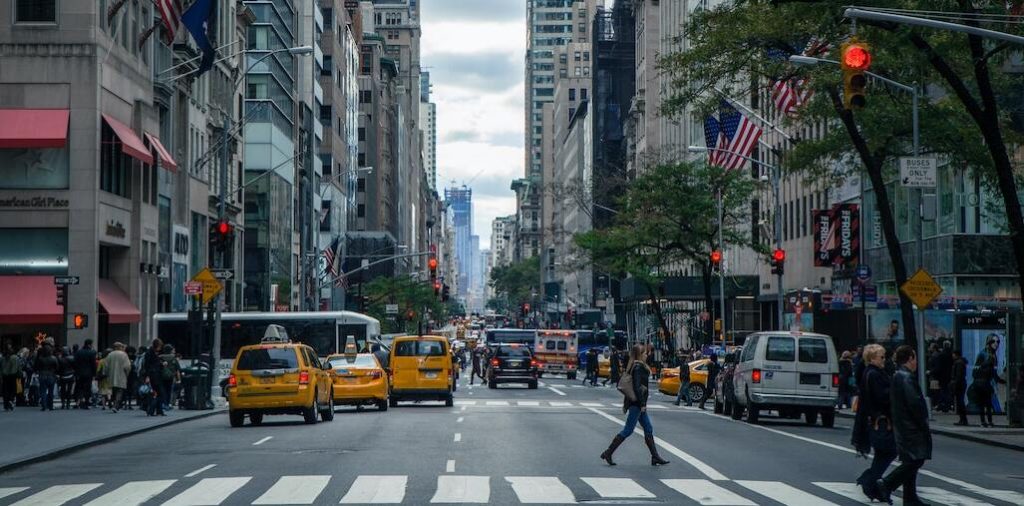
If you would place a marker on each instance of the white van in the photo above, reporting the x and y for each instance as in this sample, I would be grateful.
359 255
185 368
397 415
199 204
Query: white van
792 373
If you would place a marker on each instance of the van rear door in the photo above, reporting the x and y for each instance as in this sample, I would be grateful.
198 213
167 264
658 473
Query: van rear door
815 364
780 375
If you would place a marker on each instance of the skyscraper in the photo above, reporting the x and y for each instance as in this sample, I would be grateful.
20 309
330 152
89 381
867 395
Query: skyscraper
460 201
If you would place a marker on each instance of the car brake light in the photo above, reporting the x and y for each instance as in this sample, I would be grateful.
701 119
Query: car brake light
232 381
304 377
835 380
533 363
376 374
755 376
494 362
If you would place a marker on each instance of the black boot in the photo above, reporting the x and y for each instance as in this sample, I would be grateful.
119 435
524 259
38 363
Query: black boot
607 454
884 494
656 459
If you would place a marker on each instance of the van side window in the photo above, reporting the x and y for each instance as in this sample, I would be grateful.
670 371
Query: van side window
814 351
780 349
749 348
561 346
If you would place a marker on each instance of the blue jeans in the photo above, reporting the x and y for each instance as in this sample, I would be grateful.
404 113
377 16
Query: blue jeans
633 416
46 384
684 391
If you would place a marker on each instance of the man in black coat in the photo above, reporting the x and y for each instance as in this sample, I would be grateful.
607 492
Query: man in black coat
85 371
958 386
910 423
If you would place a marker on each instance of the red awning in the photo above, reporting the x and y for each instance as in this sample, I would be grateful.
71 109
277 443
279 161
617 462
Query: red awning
33 128
117 305
29 300
131 143
166 160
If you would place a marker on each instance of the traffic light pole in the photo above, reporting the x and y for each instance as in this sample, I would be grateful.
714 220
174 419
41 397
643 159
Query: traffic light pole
781 295
221 212
721 269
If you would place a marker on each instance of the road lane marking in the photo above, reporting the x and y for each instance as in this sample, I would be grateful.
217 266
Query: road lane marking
850 491
557 391
783 493
592 404
264 440
57 495
527 403
208 492
707 470
449 467
560 404
938 495
707 493
201 469
465 403
462 489
618 488
497 403
294 490
8 491
463 408
458 437
376 490
460 419
541 383
132 493
541 490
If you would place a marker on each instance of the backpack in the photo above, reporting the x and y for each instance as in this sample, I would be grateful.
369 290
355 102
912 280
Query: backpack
168 370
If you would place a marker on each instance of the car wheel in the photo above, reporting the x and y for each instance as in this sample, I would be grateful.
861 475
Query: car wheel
737 412
237 418
532 385
392 402
256 418
828 418
312 411
449 401
811 416
382 405
328 414
697 392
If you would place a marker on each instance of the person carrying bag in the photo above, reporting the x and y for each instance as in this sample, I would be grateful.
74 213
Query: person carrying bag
633 386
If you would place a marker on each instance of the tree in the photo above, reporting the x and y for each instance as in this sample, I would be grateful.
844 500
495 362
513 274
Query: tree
514 283
417 303
668 217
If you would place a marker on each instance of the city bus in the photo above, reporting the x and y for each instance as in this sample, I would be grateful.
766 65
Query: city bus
525 337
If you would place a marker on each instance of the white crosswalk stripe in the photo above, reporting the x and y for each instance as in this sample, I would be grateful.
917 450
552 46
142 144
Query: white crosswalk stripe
784 493
560 404
294 490
541 490
132 493
57 495
465 403
941 496
708 493
497 403
376 490
592 404
462 489
618 488
849 491
9 491
208 492
528 403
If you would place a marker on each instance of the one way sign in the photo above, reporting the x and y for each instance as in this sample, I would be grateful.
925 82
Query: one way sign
223 274
918 172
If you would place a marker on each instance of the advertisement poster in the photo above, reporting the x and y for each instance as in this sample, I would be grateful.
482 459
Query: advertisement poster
806 322
886 327
836 235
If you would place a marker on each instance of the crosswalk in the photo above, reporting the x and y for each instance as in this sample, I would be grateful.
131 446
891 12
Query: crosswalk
469 489
493 403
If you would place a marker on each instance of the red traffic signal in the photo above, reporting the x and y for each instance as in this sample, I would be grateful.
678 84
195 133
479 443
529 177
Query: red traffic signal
716 257
779 255
80 320
856 56
223 227
432 264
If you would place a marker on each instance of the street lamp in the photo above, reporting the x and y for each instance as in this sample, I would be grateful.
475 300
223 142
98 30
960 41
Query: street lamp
325 184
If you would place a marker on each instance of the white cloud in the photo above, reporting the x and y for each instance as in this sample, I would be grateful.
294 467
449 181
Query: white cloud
468 37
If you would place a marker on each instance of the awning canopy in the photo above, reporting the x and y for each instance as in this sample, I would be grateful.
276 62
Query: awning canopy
131 143
33 128
166 160
29 300
117 305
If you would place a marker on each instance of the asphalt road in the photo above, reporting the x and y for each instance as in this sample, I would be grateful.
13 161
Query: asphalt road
504 446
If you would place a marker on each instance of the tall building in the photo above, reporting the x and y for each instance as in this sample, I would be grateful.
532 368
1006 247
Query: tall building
502 229
460 202
428 125
309 175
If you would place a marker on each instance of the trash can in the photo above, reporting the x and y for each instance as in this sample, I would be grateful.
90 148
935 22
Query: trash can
195 384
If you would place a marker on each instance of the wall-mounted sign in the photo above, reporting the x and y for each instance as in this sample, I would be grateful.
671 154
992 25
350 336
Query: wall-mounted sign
36 202
836 235
115 225
180 244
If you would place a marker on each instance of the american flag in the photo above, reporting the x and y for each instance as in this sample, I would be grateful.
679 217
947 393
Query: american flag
330 255
170 13
791 94
736 138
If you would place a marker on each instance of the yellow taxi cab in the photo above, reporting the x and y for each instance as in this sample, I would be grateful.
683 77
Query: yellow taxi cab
421 368
358 379
669 382
278 377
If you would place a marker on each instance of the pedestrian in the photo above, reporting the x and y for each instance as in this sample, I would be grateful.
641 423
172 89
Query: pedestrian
613 367
873 427
591 366
65 377
944 372
910 424
10 376
106 390
845 379
958 387
85 371
45 367
171 376
131 391
713 369
118 367
985 375
684 381
635 406
152 372
476 371
29 383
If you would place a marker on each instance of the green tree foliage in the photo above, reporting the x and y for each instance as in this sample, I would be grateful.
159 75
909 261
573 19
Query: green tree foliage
513 283
416 302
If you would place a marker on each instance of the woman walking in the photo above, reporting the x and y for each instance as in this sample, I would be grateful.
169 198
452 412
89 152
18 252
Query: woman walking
45 367
65 377
874 428
985 373
635 407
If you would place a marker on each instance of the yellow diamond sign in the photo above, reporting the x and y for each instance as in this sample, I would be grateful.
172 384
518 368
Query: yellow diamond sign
211 285
921 289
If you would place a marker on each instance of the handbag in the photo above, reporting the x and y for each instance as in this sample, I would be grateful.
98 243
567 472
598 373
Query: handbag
145 389
855 404
626 385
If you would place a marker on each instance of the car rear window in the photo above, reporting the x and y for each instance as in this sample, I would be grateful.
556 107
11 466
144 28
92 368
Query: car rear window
268 358
419 349
509 351
549 345
360 361
562 346
814 351
780 349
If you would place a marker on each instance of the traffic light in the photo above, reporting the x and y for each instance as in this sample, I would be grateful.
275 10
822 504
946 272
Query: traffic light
62 295
716 259
80 320
778 261
362 303
855 58
221 235
432 266
444 294
437 288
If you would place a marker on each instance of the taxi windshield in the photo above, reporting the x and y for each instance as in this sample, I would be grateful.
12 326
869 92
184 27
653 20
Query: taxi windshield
268 358
419 349
360 361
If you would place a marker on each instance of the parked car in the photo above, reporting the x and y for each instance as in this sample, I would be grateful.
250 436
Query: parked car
725 399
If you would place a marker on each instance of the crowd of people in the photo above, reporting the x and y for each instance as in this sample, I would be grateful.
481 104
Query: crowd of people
81 377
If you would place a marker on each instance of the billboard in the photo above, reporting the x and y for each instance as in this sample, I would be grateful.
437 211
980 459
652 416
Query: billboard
836 235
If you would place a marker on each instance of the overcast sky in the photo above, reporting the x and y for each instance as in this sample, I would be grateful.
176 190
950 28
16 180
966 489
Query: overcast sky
474 51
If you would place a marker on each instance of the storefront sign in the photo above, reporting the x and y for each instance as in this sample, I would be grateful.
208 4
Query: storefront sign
180 244
115 225
36 202
836 235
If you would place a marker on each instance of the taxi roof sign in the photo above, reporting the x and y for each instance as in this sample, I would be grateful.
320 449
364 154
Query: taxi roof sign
275 334
921 289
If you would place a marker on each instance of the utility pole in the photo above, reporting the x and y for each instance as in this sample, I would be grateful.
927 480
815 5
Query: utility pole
222 193
721 268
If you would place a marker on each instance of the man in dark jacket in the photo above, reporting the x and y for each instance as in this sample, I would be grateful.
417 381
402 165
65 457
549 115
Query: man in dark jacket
85 371
152 375
713 369
958 386
910 423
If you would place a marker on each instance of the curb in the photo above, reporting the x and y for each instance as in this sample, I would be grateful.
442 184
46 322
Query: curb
965 437
50 455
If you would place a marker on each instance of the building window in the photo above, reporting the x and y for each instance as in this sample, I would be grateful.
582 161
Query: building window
325 114
35 11
115 166
586 70
578 71
361 211
563 58
365 96
586 56
582 27
392 34
362 133
572 112
361 184
366 62
328 14
583 93
563 73
362 160
572 93
328 68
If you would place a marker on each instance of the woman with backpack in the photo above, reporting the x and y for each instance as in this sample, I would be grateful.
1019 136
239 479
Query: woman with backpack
633 386
985 374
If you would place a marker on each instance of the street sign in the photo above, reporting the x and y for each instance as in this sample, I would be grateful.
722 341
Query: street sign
211 287
918 172
223 274
868 292
391 308
921 289
193 288
863 273
65 280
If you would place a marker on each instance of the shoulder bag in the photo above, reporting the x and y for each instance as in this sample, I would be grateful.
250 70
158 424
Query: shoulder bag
626 385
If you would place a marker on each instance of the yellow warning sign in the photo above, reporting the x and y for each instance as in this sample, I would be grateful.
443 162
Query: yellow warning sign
211 286
921 289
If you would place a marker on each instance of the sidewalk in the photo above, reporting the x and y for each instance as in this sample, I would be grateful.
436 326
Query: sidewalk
1001 435
31 435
